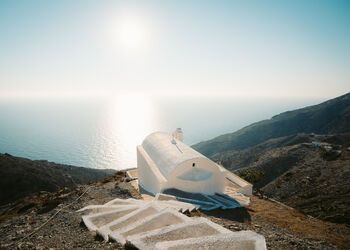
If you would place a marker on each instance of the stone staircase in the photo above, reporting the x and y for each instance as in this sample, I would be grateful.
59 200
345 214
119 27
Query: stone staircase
208 202
160 224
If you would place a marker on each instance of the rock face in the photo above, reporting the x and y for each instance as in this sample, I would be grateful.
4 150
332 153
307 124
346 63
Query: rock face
329 117
21 177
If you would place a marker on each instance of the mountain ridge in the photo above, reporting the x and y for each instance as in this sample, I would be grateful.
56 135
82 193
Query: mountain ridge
331 116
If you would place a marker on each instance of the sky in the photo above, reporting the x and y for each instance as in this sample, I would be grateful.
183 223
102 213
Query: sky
204 48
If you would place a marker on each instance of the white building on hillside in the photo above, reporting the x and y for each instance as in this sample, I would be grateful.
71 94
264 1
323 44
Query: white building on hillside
165 162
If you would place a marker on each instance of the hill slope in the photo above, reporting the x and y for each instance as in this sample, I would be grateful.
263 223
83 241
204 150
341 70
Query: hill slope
329 117
21 177
313 177
284 158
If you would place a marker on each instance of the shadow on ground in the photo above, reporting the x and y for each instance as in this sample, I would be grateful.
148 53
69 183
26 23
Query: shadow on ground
236 214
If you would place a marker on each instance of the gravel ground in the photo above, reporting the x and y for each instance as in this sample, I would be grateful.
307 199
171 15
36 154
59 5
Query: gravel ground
283 227
66 231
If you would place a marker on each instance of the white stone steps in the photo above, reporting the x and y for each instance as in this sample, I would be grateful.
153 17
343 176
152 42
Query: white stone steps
224 203
94 221
197 227
157 224
119 223
172 200
204 201
203 205
165 197
240 198
247 240
163 219
129 201
94 209
177 205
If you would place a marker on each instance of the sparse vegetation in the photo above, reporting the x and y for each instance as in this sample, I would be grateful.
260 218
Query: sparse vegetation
251 175
330 154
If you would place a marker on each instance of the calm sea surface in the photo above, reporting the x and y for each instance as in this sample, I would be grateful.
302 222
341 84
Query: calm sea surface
104 133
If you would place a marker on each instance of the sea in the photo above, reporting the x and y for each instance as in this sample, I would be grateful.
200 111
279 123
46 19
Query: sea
103 133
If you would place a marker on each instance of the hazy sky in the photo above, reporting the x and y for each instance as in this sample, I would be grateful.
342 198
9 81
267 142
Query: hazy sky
239 48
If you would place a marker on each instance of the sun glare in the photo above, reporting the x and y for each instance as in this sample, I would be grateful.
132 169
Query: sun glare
134 119
133 32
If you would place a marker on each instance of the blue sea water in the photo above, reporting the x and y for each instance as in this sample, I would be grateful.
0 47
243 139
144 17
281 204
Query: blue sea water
104 133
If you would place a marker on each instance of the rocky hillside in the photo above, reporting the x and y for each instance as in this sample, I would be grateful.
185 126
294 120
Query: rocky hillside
21 177
330 117
308 172
299 157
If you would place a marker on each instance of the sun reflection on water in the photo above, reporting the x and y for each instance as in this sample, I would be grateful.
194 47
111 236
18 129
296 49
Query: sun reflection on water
133 119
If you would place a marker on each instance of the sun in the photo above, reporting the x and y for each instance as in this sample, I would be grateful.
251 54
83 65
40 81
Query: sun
133 32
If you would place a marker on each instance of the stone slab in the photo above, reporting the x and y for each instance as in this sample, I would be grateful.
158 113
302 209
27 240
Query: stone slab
118 224
197 227
94 209
247 240
162 219
129 201
177 205
164 197
94 221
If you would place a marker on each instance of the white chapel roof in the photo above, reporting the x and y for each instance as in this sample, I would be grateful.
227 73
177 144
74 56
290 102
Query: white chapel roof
166 154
